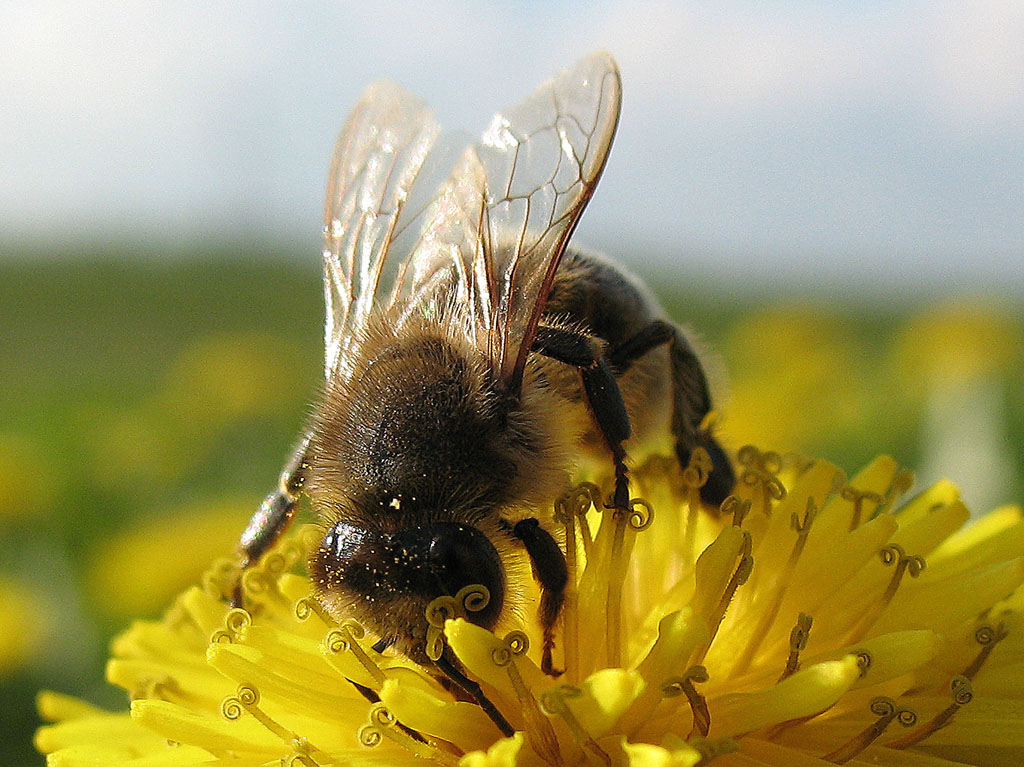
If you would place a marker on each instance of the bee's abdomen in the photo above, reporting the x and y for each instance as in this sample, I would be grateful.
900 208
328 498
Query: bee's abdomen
599 296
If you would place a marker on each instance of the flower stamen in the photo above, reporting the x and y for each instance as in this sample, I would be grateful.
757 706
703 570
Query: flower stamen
637 517
864 661
797 642
963 693
568 509
695 476
299 758
262 581
988 637
901 483
345 638
469 599
892 554
739 508
236 621
307 606
539 733
771 611
383 724
219 580
711 749
684 685
553 703
760 473
857 498
246 700
886 710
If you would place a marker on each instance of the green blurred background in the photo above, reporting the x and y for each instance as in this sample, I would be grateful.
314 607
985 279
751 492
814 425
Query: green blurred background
148 405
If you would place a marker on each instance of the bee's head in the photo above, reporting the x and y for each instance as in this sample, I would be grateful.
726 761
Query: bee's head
387 579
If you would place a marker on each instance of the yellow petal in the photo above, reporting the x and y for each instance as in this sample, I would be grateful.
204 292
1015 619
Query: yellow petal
477 648
897 653
984 722
942 493
995 537
679 634
606 694
816 584
714 569
97 728
179 682
809 691
464 724
167 755
772 753
303 693
943 605
215 734
650 755
57 707
504 753
924 534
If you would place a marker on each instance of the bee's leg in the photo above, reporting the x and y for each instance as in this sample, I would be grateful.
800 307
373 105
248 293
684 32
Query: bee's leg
549 570
602 390
451 668
273 517
691 401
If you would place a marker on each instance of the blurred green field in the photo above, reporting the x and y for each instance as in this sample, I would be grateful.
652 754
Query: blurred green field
146 407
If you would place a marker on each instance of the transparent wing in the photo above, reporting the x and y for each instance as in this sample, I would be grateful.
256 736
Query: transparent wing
497 230
380 155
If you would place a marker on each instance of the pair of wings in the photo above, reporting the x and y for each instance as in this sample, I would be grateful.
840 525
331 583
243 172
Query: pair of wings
414 214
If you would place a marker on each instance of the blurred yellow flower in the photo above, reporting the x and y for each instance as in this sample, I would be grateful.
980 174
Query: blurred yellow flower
957 342
800 626
954 364
800 380
220 381
140 570
24 624
226 377
28 485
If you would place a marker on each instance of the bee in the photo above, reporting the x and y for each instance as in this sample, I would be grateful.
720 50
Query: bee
471 356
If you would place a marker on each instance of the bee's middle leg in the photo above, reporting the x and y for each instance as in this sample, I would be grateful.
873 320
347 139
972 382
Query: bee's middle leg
602 391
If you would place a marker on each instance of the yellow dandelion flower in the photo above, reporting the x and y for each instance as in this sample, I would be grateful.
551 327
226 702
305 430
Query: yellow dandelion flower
800 382
29 481
25 624
956 342
814 621
140 570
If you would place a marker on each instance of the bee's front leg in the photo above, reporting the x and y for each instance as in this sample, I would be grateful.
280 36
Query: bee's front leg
602 390
550 571
272 518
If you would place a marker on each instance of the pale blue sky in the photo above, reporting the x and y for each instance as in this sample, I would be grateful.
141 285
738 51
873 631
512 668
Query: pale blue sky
883 141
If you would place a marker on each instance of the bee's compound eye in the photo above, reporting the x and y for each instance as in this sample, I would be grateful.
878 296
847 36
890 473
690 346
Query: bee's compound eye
422 563
462 556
